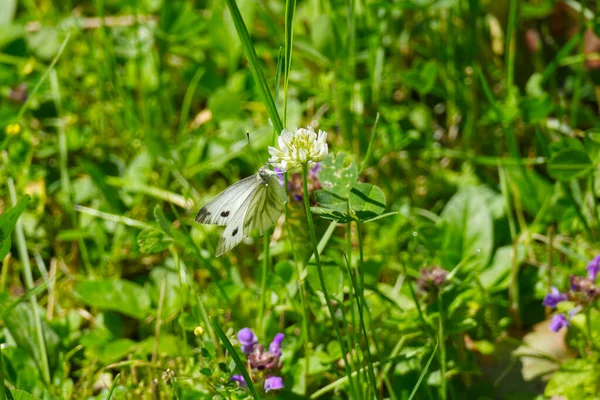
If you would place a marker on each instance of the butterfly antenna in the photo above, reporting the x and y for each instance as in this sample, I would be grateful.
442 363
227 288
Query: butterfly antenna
254 156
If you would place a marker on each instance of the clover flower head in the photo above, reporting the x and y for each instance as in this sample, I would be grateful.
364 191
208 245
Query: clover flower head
593 268
554 297
299 147
273 383
558 322
247 339
431 279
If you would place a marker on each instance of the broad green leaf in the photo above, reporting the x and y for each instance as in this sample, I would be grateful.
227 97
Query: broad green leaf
8 220
18 394
536 109
529 188
153 241
496 275
116 295
576 379
334 279
21 325
338 175
331 215
470 230
366 201
568 164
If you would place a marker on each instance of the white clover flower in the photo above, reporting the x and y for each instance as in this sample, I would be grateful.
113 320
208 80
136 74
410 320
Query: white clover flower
298 148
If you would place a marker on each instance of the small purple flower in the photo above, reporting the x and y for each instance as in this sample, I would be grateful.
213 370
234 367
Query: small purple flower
315 170
280 175
275 346
593 268
239 379
558 322
273 383
554 297
248 340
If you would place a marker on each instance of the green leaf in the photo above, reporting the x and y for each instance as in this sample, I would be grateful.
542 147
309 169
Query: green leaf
334 279
153 241
568 164
338 175
496 275
470 230
236 358
21 323
115 295
421 77
367 201
7 11
8 220
21 395
331 215
576 379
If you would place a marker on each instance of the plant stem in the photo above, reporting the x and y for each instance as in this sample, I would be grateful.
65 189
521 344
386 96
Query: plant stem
263 283
22 248
443 389
2 387
360 302
313 240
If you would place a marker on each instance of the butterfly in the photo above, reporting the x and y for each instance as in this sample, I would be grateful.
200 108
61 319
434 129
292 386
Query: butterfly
255 202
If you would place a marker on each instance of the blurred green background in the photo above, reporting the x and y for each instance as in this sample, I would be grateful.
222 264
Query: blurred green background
121 118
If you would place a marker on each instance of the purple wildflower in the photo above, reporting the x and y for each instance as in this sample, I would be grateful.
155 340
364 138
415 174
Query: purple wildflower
593 268
248 340
275 346
239 379
554 297
273 383
558 322
280 175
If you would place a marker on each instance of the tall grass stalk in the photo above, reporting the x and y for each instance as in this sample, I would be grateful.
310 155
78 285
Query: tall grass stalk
313 240
2 387
28 276
442 344
360 303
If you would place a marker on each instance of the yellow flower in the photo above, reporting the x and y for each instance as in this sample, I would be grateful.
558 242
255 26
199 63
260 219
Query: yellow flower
12 129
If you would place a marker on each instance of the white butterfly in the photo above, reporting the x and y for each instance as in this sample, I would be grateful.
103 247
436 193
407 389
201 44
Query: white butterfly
255 202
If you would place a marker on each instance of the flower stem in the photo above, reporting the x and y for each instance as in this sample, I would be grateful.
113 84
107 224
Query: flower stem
313 240
301 285
442 338
360 298
263 283
28 277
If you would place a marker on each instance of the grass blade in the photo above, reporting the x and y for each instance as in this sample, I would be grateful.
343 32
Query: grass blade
113 386
290 11
414 392
255 68
236 358
2 387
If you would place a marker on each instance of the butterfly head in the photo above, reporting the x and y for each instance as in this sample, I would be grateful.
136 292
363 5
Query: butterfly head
265 173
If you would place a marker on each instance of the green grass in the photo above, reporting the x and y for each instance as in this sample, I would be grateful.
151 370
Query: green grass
462 134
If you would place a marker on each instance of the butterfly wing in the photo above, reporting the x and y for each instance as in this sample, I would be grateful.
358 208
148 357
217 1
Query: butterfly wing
234 232
221 209
265 206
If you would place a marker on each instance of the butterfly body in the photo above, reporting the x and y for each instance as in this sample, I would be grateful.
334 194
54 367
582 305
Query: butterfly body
255 202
